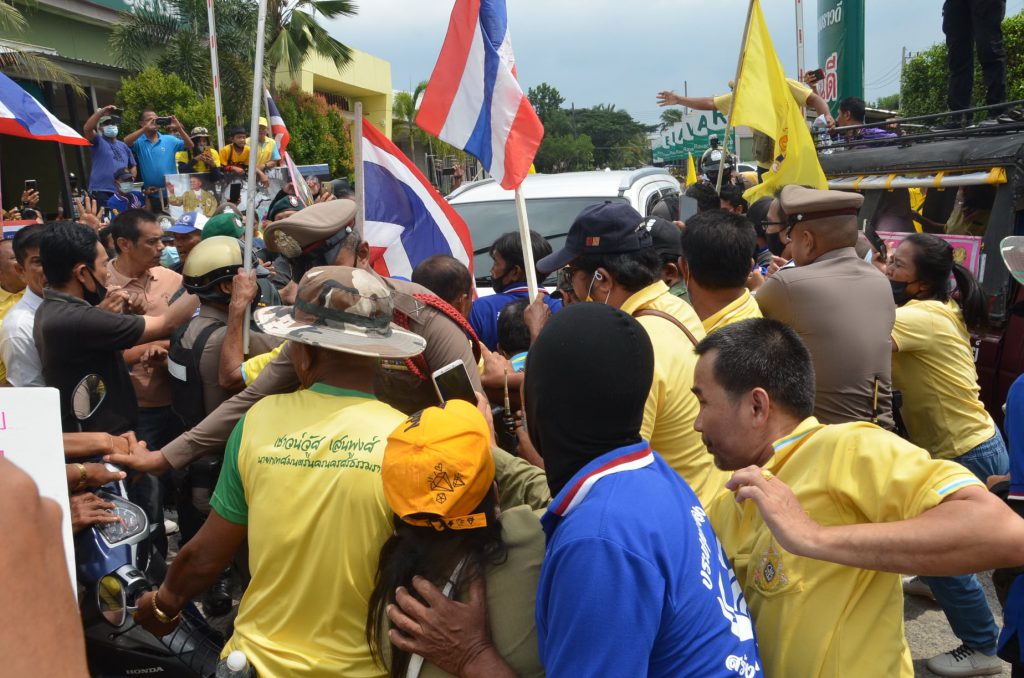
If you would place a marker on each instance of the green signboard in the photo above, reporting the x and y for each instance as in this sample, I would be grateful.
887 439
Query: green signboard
841 50
690 135
158 6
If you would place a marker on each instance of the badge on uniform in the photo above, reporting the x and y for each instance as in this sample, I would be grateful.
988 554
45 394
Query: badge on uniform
770 575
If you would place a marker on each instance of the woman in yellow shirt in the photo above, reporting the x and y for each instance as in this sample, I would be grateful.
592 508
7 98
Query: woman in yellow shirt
933 366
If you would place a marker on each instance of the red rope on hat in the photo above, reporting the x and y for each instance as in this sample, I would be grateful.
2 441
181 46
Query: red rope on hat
418 365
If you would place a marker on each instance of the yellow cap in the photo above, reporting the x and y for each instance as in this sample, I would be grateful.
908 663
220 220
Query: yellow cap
438 467
263 121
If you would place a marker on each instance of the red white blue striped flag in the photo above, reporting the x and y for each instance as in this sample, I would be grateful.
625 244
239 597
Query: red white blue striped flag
277 126
473 100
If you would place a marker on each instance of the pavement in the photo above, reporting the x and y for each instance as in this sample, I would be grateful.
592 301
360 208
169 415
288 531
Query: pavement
928 631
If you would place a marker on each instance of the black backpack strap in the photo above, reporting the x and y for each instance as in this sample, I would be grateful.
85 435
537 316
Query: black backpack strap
204 336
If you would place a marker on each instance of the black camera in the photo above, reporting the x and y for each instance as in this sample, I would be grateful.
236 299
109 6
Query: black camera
163 120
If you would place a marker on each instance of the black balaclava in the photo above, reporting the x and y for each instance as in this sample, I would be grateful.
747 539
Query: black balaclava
588 377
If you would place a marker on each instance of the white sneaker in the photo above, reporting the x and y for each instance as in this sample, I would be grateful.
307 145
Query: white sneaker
914 586
170 527
964 661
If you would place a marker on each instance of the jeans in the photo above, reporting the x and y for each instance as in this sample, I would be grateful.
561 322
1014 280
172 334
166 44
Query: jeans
962 598
972 25
157 426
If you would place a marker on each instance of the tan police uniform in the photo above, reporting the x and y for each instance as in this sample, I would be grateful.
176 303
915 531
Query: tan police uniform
842 307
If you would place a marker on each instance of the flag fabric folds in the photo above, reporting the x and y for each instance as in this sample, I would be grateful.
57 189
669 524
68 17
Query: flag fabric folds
764 102
22 116
277 127
406 219
473 100
691 171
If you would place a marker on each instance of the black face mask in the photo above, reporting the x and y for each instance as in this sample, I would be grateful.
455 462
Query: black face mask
94 297
775 245
899 292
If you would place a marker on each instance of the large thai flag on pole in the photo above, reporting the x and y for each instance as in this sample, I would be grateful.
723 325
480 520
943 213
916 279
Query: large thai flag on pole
473 100
277 127
23 116
406 219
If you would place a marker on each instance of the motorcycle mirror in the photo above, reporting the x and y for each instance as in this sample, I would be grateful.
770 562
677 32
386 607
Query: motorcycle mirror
87 396
112 600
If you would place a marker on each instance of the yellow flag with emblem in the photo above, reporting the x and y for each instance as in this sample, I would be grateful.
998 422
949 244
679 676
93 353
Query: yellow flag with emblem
763 101
691 171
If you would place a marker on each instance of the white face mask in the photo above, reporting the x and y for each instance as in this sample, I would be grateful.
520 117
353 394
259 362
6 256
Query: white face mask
126 186
110 131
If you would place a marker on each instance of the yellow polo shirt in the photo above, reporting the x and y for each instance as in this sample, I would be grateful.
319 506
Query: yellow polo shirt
671 407
815 618
801 93
7 302
302 472
934 368
252 367
742 308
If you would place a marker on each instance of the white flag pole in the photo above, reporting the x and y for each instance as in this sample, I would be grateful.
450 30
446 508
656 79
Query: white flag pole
357 159
215 67
254 129
527 241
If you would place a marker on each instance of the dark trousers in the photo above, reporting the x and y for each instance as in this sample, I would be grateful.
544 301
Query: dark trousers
972 25
157 426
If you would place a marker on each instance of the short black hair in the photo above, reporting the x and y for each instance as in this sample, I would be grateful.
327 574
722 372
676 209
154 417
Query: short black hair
25 239
854 106
733 194
510 247
763 353
705 195
126 225
757 214
142 113
718 246
633 270
444 275
64 245
513 334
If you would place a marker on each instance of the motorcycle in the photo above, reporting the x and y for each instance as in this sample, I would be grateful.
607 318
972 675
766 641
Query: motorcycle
116 563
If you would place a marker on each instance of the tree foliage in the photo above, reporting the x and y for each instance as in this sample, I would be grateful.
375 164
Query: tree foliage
318 131
165 93
13 58
925 81
889 102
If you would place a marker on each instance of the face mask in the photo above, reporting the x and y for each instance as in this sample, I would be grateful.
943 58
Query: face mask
110 131
775 245
169 257
899 292
94 297
200 148
126 186
590 288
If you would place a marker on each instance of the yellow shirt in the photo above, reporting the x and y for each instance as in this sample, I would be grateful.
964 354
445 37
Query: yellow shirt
801 93
230 156
671 407
266 151
182 158
815 618
934 368
742 308
252 367
302 472
7 301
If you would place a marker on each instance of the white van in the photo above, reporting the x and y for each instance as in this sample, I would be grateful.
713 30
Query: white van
552 203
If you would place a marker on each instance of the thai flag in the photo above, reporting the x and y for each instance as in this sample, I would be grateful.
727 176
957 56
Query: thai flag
277 127
473 100
406 219
23 116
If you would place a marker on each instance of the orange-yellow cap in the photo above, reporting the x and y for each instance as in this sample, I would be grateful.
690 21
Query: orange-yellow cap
438 467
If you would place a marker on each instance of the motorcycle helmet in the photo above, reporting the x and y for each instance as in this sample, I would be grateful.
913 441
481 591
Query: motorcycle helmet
713 141
211 262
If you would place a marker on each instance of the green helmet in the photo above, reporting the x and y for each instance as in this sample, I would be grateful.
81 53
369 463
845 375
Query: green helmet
212 261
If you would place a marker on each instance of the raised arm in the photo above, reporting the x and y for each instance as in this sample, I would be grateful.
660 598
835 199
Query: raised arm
89 129
161 326
670 98
821 107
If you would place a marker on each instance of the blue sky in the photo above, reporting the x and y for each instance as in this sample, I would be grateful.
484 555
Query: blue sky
600 51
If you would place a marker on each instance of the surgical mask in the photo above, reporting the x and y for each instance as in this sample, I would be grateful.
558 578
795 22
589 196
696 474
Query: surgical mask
126 186
169 257
899 291
597 276
200 147
775 245
110 131
94 297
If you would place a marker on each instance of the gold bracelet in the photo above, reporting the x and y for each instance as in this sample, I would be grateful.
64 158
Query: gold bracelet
82 475
161 615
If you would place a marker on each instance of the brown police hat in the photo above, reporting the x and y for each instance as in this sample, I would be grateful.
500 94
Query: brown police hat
819 208
293 234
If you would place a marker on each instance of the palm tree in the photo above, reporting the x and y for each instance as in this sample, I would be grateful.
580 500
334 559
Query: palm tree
35 66
294 32
404 109
669 117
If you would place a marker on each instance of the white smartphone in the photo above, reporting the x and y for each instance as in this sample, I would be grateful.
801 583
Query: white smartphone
452 381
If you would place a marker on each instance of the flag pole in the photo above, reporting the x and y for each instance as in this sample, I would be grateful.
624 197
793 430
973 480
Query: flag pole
527 241
250 196
357 159
735 92
215 67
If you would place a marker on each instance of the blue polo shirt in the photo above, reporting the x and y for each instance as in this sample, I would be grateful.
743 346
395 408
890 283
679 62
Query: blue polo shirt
156 158
634 581
484 314
1013 424
108 157
123 202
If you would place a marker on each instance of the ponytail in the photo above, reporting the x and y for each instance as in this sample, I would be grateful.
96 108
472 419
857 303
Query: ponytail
933 259
970 297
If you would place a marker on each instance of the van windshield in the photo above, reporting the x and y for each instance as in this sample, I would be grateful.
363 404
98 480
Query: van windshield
551 217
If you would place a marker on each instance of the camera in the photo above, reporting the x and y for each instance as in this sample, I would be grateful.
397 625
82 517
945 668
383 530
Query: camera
163 120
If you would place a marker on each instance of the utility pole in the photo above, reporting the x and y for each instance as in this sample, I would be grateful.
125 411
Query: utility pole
686 93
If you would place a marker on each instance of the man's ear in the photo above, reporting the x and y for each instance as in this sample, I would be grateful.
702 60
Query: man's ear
20 270
362 254
760 405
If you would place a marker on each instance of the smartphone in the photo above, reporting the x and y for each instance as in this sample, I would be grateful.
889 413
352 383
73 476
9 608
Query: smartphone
235 193
30 184
817 75
163 120
687 207
452 382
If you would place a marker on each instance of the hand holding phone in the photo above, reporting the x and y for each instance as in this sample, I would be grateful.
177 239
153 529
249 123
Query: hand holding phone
452 381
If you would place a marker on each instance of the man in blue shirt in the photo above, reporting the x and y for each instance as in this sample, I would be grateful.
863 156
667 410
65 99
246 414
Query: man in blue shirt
634 581
155 153
125 197
508 277
108 153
